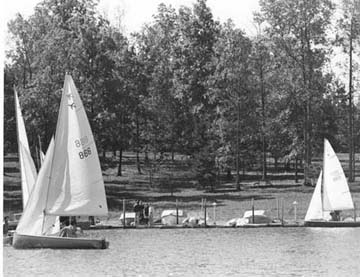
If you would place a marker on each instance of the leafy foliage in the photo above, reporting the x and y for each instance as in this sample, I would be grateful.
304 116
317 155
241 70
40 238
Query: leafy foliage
186 83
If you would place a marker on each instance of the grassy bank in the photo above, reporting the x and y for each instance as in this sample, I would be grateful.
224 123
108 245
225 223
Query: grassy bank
174 180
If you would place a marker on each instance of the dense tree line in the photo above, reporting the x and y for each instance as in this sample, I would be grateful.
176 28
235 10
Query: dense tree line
188 84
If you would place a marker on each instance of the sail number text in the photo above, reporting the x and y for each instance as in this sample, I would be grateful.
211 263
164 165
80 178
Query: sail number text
86 153
81 142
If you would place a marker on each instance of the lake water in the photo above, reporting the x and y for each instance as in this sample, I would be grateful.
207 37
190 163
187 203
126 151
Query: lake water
200 252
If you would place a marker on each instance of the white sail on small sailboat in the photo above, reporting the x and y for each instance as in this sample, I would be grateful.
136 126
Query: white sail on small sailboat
70 181
27 166
331 194
315 210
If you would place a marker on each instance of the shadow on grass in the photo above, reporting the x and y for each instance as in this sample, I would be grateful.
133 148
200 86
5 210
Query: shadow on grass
12 186
12 169
13 158
13 205
355 187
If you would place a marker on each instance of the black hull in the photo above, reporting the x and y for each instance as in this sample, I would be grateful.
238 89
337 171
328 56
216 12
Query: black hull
259 225
21 241
330 224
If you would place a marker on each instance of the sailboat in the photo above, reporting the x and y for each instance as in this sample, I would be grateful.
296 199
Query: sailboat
331 194
69 184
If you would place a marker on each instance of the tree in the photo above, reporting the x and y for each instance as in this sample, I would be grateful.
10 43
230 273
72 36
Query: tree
230 90
10 133
192 66
299 29
161 112
348 35
261 65
61 36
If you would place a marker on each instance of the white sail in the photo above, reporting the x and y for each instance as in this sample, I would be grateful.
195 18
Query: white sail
336 194
315 211
27 166
76 185
32 219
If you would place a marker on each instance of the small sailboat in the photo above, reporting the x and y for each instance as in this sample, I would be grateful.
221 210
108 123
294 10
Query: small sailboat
331 195
69 184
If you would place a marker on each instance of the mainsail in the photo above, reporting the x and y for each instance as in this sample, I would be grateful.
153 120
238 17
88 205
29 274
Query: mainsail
27 166
76 186
336 193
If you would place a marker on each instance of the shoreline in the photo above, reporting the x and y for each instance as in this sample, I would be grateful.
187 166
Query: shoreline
176 185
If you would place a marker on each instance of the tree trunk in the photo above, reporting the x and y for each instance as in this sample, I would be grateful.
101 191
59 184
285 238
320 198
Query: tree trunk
351 130
120 163
264 169
151 175
228 174
308 86
296 170
138 164
243 168
306 91
29 67
24 76
306 143
238 149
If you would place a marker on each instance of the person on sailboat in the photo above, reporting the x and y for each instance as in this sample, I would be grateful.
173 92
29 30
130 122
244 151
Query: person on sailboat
335 216
70 230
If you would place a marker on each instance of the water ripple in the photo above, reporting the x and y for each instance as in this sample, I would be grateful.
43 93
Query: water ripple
200 252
